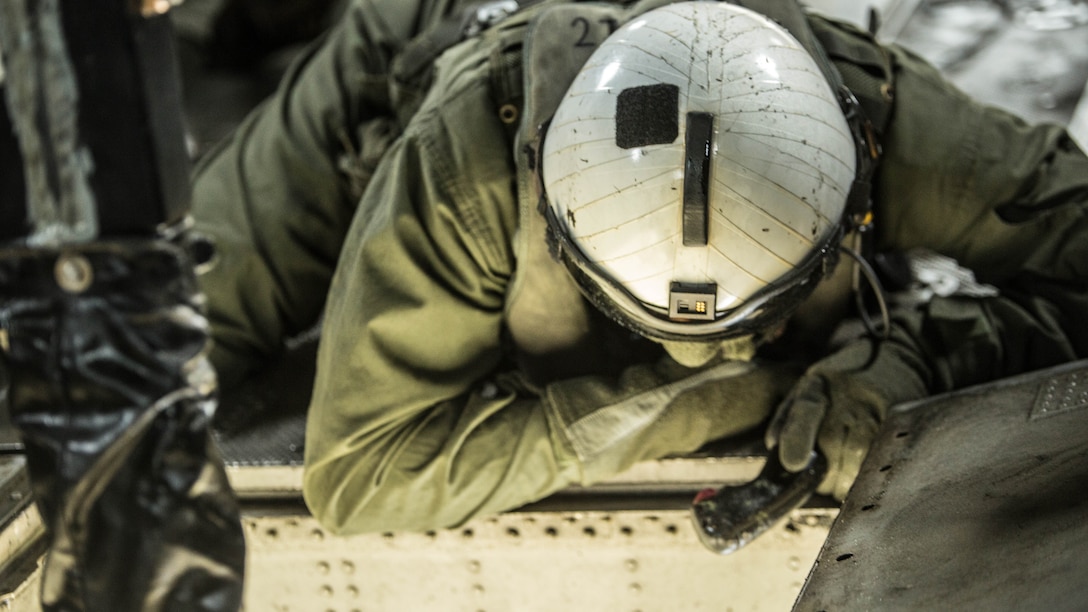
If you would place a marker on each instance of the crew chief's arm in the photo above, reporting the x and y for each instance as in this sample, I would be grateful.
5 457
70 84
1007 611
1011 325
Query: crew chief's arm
274 194
412 426
1005 199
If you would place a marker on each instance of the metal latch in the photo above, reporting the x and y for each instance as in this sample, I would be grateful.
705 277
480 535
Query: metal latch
488 14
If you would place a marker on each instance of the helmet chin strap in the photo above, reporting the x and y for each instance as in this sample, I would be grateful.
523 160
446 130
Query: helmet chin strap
695 354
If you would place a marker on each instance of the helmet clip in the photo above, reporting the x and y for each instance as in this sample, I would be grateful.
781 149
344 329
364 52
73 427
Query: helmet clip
692 302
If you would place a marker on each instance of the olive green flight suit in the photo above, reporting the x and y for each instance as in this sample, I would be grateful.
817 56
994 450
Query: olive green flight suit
460 374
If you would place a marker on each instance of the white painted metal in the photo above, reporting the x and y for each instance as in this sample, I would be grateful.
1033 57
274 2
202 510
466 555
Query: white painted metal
571 561
25 596
21 534
545 558
253 482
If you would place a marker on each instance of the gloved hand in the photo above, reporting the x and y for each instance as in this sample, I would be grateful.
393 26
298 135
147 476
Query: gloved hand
840 403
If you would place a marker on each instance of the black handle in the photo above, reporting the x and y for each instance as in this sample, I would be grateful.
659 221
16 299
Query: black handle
733 516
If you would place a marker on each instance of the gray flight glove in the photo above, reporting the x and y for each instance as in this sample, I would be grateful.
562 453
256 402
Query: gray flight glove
839 404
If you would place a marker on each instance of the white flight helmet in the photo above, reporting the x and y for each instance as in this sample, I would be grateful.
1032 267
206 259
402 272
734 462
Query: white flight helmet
697 171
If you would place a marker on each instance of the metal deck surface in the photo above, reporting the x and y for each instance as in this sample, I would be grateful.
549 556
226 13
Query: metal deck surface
975 501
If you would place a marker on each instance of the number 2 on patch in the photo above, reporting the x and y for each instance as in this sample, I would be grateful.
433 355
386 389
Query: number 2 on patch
585 37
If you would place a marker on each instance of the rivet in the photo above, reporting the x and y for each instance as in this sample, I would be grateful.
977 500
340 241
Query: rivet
474 567
508 113
73 273
348 567
635 588
478 589
317 535
326 591
323 567
631 565
353 591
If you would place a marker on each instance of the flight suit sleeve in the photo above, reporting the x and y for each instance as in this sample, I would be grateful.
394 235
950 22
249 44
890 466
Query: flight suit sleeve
415 422
278 194
1007 200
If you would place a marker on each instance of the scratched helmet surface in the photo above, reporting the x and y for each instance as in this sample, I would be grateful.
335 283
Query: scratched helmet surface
697 171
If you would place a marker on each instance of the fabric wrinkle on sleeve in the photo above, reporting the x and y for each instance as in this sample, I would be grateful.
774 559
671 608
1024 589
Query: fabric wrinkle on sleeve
661 408
412 333
598 431
1006 199
272 194
413 425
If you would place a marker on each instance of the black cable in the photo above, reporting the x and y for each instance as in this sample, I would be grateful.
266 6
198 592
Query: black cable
866 270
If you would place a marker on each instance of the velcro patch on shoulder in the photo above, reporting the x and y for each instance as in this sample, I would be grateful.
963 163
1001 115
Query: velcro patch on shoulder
560 41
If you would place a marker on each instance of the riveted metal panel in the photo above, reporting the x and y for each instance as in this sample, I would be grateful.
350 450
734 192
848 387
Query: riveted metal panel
591 561
976 501
548 557
22 538
23 595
